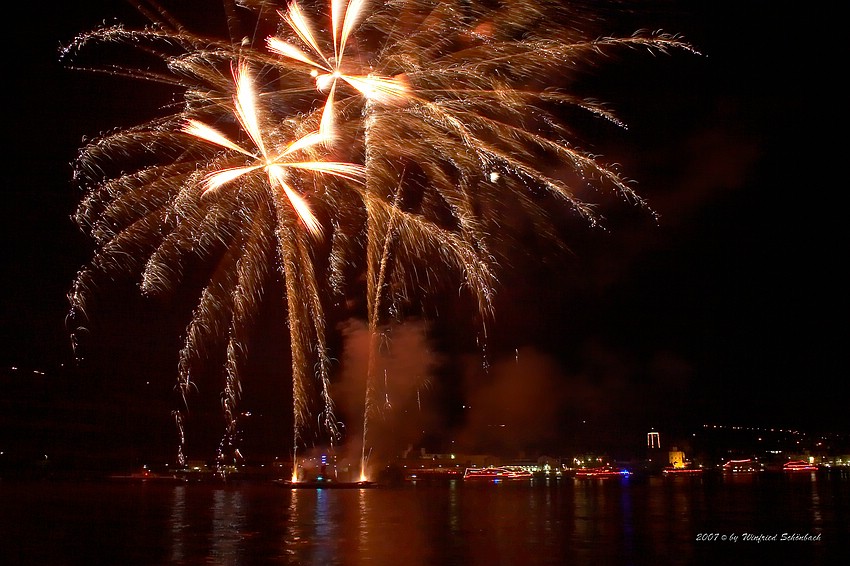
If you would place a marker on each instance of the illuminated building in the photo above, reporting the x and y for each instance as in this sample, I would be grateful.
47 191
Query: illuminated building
676 458
653 439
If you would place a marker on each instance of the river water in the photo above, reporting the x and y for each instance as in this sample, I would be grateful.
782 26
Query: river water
640 521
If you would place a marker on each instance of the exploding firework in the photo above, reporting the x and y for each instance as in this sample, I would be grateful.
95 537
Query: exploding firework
394 143
471 132
328 71
193 192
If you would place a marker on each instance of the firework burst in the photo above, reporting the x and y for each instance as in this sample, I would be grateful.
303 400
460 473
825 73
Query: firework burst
476 136
274 164
194 192
421 128
328 71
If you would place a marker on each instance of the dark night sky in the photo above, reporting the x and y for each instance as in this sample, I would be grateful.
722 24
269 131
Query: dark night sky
726 310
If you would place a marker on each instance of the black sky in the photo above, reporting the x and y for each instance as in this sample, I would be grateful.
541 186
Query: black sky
728 309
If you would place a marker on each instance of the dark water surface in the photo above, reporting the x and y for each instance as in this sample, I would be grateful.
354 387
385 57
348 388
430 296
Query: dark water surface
654 520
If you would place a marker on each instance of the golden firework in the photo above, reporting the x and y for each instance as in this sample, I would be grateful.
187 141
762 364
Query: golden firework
450 143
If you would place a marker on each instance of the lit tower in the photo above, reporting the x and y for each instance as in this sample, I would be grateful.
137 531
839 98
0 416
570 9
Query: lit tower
653 439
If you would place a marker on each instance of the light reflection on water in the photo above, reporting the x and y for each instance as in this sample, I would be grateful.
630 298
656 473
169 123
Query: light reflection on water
623 521
228 525
179 523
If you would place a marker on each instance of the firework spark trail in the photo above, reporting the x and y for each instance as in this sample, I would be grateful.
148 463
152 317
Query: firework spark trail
455 109
178 421
375 288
